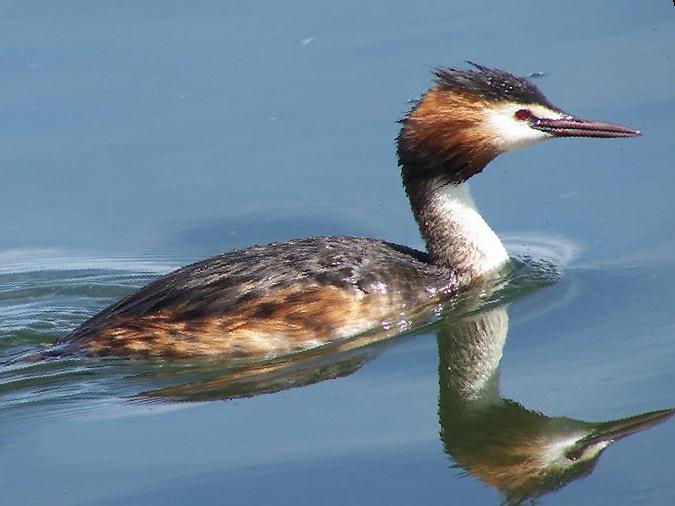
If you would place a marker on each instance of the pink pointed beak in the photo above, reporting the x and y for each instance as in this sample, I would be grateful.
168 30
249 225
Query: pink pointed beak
570 126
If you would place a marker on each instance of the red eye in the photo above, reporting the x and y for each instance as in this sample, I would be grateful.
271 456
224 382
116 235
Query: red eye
523 114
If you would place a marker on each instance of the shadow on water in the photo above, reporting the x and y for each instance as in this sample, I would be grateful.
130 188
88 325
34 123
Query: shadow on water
261 228
519 451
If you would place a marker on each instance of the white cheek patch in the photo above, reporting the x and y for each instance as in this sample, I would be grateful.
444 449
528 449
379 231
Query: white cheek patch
510 133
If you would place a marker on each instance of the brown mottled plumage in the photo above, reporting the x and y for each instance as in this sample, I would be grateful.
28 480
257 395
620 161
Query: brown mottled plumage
267 301
285 320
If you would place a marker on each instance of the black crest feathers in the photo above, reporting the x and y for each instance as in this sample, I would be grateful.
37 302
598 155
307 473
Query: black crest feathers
491 84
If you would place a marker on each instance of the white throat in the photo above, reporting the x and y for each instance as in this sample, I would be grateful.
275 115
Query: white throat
471 245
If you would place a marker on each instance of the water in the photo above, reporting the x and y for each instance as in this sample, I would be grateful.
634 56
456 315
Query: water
136 138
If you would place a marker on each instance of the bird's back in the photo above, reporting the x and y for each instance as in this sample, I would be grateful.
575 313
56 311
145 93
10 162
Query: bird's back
267 300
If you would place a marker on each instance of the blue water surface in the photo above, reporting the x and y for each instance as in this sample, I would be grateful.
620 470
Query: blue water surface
140 136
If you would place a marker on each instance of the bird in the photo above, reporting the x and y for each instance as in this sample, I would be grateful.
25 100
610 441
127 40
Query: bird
282 298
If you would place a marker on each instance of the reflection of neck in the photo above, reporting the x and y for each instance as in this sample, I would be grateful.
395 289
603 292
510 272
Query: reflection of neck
456 234
523 453
470 350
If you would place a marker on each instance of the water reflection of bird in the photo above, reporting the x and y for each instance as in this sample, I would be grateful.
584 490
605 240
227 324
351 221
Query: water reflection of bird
521 452
287 297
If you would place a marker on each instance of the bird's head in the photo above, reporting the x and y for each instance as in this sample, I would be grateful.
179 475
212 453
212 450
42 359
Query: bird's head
470 116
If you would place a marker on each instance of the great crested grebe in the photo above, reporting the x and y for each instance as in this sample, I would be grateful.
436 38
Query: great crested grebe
267 301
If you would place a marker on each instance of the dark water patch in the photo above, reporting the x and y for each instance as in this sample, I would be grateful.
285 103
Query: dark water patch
215 236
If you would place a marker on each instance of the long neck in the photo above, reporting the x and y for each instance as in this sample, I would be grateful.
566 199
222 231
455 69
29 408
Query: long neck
456 234
440 146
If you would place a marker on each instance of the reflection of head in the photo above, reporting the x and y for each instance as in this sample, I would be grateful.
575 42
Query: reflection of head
522 453
519 452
